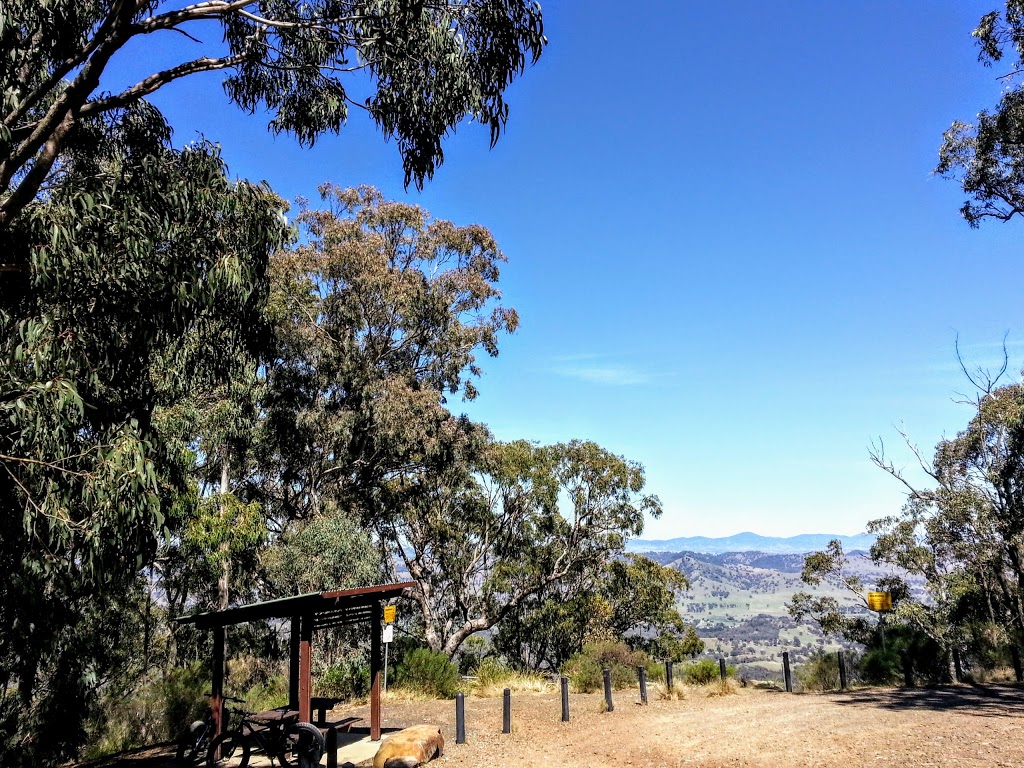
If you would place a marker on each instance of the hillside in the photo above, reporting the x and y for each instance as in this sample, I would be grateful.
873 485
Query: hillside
737 601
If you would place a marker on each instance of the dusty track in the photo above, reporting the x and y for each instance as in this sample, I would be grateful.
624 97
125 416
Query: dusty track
957 727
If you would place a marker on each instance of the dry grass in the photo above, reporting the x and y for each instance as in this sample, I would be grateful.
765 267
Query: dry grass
725 687
398 694
516 682
677 693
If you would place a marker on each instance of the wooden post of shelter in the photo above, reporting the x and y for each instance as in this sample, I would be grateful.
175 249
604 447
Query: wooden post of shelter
376 664
217 684
293 664
305 668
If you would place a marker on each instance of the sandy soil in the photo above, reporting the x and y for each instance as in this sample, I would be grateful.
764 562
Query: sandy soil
959 726
955 726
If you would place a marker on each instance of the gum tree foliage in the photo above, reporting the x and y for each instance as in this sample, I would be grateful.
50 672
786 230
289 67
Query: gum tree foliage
830 566
379 318
136 249
486 537
417 69
962 534
965 533
988 156
629 599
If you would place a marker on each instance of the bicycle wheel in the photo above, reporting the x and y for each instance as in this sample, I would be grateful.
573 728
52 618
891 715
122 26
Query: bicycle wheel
192 744
305 746
229 749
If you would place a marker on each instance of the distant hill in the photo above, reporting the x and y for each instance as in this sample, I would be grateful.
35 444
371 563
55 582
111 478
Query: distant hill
737 602
751 542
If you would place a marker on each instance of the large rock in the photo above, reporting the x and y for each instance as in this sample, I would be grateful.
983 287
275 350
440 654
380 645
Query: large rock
410 747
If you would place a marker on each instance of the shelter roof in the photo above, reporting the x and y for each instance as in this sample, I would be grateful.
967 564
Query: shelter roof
341 606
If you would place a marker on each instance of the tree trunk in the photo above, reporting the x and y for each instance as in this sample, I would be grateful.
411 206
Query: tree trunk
224 582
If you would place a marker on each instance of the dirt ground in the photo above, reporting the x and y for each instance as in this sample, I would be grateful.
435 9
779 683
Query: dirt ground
953 726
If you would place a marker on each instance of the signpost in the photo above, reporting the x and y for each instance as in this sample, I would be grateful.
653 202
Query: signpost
881 602
387 636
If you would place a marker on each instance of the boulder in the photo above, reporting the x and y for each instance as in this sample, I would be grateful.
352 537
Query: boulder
410 747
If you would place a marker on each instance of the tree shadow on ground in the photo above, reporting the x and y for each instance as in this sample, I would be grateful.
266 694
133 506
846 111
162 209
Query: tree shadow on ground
980 700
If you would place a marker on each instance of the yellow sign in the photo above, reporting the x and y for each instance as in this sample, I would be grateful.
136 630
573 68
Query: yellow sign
389 613
879 601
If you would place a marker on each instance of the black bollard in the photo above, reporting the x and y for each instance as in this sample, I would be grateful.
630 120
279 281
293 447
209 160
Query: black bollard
1018 670
786 673
908 668
609 705
641 675
332 748
460 718
565 699
506 711
668 675
721 669
842 671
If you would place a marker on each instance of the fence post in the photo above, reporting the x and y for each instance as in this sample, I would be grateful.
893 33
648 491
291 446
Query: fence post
842 671
721 669
908 668
565 699
1018 670
786 673
608 703
668 675
506 711
641 675
460 718
332 748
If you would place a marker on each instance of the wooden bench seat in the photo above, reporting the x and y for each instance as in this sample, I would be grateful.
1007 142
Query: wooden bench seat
341 726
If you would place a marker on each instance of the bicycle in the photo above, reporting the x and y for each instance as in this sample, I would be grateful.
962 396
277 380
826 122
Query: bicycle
290 743
193 744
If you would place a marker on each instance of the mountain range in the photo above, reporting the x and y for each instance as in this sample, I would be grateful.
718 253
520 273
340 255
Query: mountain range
751 542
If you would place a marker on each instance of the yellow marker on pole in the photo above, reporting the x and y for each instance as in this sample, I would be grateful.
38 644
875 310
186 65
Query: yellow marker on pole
879 601
389 613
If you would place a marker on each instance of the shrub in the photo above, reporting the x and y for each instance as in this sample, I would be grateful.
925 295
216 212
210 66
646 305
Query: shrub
347 680
584 673
429 672
705 671
182 692
585 670
819 673
884 666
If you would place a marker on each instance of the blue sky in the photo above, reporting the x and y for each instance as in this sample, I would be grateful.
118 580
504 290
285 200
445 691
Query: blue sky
730 257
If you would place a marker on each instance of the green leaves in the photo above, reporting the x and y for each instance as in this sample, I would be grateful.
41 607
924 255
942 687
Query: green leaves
988 157
119 271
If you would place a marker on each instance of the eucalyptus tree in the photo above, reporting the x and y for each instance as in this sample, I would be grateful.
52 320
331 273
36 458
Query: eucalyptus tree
417 69
964 533
380 316
988 156
138 248
491 534
629 599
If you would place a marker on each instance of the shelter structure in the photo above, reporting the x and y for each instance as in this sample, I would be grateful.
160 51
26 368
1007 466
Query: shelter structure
308 612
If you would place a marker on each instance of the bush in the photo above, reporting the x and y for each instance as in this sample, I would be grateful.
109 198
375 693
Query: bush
705 672
819 673
884 666
431 673
182 692
586 670
347 680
